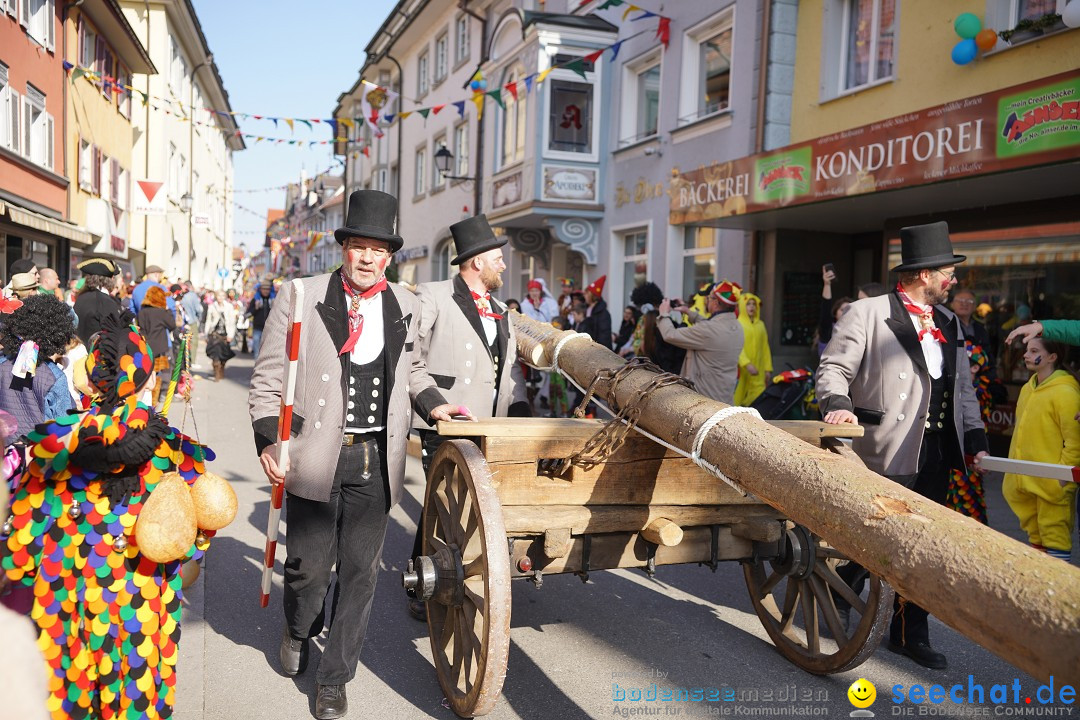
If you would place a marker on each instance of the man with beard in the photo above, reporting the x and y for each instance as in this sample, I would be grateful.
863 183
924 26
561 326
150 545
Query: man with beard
600 327
358 376
468 342
897 364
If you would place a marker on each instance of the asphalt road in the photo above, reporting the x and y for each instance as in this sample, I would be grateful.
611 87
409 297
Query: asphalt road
574 647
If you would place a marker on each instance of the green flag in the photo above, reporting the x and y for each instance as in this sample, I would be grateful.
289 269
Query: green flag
496 95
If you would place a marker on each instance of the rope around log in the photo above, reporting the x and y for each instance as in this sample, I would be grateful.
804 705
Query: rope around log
699 439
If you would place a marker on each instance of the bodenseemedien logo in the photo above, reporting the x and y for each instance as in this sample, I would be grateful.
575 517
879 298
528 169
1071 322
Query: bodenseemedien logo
862 694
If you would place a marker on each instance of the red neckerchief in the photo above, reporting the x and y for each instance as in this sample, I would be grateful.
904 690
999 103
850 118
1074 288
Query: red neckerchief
925 313
356 320
483 306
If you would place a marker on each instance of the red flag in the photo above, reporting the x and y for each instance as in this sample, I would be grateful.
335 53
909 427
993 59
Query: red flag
435 110
663 31
512 89
593 57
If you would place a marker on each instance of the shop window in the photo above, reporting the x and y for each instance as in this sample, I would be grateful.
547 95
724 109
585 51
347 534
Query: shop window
420 177
513 122
635 261
461 150
699 258
422 75
440 264
570 126
442 57
707 69
43 254
461 39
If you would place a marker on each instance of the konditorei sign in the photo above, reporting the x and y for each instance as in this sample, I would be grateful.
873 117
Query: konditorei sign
1031 124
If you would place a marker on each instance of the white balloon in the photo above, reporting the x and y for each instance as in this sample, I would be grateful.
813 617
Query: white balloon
1071 14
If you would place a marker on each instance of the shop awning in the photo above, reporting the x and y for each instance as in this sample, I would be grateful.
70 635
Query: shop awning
47 225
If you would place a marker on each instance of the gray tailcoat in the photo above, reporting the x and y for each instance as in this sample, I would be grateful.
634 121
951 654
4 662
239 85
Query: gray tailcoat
455 348
321 384
874 367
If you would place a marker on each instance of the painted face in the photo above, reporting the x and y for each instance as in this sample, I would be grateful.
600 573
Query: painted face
1036 357
491 268
941 279
364 261
862 693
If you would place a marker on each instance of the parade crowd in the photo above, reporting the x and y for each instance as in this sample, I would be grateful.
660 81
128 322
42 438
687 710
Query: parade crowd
84 371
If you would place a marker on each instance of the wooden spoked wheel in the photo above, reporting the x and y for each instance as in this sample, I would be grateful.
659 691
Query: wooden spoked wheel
469 617
792 594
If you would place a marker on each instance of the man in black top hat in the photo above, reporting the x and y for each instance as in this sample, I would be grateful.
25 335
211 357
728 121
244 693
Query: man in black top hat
95 300
468 341
896 364
359 377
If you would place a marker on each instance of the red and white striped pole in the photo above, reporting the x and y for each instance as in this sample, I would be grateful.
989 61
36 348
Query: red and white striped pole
288 389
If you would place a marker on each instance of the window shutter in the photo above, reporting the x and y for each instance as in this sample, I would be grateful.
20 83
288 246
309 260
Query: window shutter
24 12
11 7
15 106
78 161
95 170
49 141
50 25
99 56
27 125
114 184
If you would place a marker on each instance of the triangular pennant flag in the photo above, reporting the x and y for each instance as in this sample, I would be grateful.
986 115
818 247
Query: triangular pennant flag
333 126
543 74
460 105
145 97
405 114
346 122
367 153
497 96
289 122
424 112
67 66
610 4
257 117
478 100
389 118
305 122
632 8
594 56
577 66
663 31
615 49
528 83
275 122
646 15
435 110
511 87
316 120
77 73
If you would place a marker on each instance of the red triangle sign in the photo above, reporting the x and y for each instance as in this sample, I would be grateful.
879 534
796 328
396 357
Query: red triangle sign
150 189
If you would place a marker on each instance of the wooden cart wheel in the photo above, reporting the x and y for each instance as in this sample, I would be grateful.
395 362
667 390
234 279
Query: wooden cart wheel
470 626
793 593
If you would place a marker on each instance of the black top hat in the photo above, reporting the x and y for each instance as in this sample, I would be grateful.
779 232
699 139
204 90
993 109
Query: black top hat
99 266
926 246
473 236
372 214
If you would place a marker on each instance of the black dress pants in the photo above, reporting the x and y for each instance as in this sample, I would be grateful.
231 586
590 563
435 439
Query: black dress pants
347 532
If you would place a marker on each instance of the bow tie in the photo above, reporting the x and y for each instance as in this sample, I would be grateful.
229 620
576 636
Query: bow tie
926 316
356 319
483 306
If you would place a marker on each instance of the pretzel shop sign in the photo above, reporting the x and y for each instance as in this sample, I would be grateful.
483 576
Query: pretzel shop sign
1036 123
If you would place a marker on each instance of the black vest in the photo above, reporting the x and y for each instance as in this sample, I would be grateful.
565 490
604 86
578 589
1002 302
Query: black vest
365 400
938 413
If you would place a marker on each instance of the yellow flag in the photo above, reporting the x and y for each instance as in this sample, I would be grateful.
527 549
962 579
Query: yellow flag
632 8
346 122
289 122
404 115
543 74
478 100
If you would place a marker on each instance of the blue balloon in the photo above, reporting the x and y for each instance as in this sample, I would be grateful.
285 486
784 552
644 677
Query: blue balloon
964 51
483 84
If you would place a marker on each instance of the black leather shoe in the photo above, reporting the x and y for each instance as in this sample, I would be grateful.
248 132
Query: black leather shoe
418 610
921 653
293 654
330 702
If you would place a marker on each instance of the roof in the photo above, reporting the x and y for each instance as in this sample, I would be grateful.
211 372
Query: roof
273 215
583 22
108 18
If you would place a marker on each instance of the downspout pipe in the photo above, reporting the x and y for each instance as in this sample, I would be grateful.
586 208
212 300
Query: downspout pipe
485 55
400 134
759 130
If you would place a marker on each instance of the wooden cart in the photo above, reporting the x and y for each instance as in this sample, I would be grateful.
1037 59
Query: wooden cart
492 514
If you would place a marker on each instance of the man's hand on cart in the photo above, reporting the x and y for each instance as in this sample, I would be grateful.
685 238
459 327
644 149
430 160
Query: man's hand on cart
836 417
451 412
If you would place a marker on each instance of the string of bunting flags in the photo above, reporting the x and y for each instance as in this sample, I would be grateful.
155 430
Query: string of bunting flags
376 97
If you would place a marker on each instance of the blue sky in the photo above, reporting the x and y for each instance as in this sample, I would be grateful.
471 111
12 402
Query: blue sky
284 59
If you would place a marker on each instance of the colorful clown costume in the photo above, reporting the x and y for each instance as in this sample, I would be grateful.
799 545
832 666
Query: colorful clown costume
109 618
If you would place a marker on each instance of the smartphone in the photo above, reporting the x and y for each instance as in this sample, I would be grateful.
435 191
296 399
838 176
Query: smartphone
828 267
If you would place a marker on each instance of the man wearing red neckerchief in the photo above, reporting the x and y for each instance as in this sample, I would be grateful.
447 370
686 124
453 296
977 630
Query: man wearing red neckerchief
360 377
897 365
468 341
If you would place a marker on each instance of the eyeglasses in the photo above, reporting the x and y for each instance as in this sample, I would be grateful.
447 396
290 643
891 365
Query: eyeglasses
948 275
963 301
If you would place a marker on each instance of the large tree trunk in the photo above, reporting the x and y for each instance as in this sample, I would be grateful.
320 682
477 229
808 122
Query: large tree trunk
1016 602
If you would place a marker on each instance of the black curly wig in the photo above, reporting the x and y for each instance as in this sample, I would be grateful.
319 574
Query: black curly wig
648 292
43 319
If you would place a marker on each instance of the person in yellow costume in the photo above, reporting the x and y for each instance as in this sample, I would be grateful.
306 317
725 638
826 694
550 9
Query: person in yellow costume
1046 431
755 362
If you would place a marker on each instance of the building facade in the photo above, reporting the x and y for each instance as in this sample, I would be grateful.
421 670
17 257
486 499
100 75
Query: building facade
185 140
34 170
99 136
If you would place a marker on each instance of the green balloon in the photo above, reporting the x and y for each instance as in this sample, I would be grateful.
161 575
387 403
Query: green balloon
967 25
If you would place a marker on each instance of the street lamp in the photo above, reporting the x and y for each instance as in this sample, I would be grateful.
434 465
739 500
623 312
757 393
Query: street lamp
444 160
186 201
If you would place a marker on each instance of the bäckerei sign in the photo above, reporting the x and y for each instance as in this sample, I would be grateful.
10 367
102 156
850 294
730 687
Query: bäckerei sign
1031 124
